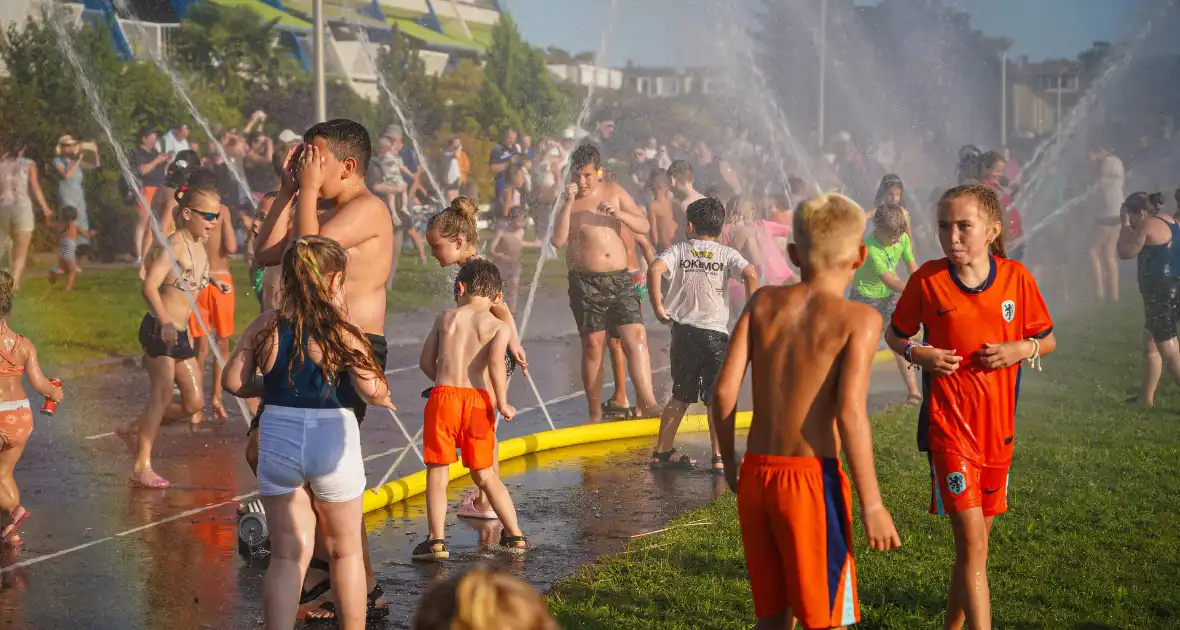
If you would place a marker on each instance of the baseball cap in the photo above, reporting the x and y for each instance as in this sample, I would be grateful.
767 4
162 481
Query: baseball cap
287 136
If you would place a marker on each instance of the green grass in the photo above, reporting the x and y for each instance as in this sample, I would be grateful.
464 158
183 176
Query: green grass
101 317
1091 539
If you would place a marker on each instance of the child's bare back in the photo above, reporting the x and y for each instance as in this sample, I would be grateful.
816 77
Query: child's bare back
810 356
466 336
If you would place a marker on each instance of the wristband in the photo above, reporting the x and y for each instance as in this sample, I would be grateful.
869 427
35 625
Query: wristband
908 353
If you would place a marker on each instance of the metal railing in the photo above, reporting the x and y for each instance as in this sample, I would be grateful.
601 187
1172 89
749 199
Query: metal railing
149 41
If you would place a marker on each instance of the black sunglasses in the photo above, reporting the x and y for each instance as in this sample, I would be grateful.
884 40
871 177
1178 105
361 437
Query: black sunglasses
208 216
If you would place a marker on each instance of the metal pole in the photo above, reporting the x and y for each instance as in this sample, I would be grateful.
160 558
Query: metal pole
1058 126
823 52
1003 98
321 99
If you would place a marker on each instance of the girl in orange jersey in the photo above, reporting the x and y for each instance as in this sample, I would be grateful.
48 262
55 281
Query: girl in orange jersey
17 357
983 316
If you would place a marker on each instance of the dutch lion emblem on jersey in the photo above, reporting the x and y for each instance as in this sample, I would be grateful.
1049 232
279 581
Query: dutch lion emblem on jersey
956 483
1008 310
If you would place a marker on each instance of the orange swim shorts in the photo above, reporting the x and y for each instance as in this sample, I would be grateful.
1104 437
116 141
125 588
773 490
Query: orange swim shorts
16 424
216 309
462 417
796 519
958 484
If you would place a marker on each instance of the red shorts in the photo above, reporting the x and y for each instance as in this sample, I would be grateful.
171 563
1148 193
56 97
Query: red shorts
958 484
462 417
149 193
216 309
796 519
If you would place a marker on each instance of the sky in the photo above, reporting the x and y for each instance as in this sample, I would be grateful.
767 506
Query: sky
668 32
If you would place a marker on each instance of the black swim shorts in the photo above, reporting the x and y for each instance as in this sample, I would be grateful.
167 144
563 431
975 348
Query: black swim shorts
696 357
1161 309
604 300
153 343
380 354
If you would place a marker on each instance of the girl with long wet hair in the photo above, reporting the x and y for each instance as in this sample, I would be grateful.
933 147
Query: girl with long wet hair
169 357
314 365
1154 239
18 358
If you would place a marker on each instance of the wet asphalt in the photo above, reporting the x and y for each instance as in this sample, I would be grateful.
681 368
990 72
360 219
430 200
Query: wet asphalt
100 554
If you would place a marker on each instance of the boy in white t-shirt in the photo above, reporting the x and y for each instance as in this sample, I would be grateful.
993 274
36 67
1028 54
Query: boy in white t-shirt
698 310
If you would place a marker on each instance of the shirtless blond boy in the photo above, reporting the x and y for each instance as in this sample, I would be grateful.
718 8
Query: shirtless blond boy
664 225
811 351
602 294
330 165
463 356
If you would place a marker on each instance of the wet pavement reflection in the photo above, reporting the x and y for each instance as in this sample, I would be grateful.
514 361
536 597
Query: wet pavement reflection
99 554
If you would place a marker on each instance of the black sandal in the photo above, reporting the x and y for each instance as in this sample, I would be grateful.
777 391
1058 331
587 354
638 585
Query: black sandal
372 613
718 465
623 413
317 591
426 550
667 459
507 543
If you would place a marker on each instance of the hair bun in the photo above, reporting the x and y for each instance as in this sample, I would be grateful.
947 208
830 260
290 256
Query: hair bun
1157 199
465 207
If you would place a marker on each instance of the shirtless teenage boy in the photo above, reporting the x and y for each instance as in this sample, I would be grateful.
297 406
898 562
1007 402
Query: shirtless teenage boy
811 352
331 165
683 194
601 291
664 226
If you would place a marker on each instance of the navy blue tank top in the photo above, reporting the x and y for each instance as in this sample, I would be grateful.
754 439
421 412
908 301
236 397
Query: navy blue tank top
306 388
1159 262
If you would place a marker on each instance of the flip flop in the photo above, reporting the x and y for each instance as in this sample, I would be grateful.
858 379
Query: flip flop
13 528
148 479
467 510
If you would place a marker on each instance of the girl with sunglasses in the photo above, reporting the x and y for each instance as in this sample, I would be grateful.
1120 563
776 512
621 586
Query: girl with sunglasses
168 353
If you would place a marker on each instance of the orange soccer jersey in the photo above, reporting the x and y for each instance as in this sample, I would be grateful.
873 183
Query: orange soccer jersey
971 412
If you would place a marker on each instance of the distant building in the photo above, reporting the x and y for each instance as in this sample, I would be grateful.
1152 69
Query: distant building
1043 93
585 74
662 82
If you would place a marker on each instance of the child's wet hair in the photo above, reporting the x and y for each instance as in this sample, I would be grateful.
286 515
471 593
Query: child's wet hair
707 216
583 156
740 208
7 291
483 598
482 279
180 168
1141 202
69 213
201 182
309 304
990 208
888 183
657 180
829 230
889 220
457 219
345 139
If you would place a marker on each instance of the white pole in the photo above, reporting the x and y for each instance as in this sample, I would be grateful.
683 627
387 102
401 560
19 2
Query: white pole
823 52
321 99
1059 102
1003 98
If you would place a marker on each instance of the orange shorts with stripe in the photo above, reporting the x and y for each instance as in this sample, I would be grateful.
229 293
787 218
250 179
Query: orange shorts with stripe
796 519
958 484
463 418
16 424
216 309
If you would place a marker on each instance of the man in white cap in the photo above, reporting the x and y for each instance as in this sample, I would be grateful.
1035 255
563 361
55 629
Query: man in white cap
176 140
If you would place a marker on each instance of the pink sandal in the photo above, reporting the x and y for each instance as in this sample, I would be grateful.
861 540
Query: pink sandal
467 509
13 528
150 480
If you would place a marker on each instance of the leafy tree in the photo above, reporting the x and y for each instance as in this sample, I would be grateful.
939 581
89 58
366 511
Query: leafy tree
405 74
518 91
232 50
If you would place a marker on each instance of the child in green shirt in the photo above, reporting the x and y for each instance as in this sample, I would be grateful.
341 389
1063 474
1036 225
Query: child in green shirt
876 282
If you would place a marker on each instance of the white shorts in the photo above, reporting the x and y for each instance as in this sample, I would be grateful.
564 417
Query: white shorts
17 218
320 447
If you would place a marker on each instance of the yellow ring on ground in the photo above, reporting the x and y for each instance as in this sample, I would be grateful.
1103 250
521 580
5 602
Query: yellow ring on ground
415 484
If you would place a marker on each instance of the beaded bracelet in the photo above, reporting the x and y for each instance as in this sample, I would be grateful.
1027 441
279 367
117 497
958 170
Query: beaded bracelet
908 353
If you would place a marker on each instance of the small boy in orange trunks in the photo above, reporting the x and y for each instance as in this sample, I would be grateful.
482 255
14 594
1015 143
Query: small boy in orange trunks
463 356
811 352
